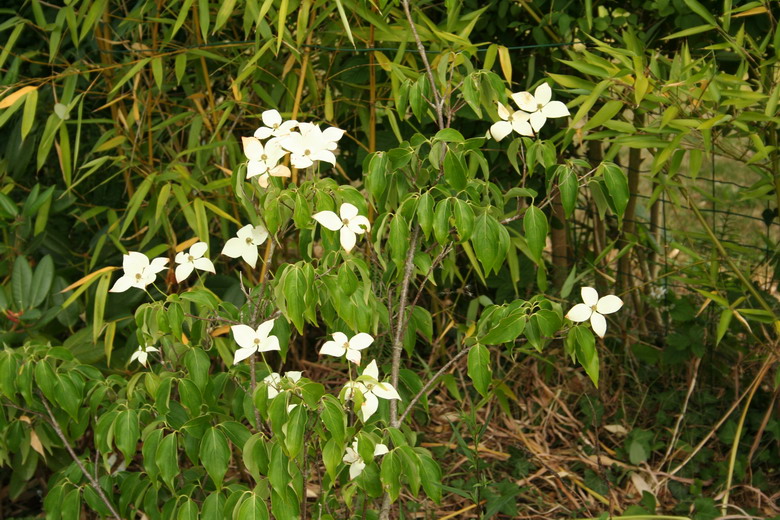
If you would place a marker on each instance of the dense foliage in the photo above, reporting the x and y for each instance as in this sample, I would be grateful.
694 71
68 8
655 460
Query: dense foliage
475 228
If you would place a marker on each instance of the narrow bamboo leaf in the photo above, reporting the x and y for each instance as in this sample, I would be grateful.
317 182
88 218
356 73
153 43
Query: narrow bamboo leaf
28 116
225 10
99 309
129 74
344 21
135 203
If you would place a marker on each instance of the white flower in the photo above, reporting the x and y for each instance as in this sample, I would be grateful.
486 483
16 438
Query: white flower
370 387
274 382
594 308
517 121
348 223
539 105
340 345
356 463
274 125
312 144
264 160
251 340
138 271
142 354
192 260
245 244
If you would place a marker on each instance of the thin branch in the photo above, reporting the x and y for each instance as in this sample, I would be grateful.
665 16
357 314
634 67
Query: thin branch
92 481
428 386
439 103
401 322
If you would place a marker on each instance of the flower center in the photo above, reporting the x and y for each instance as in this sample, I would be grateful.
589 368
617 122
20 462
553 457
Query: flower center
137 276
276 125
539 106
264 157
190 258
345 221
346 345
257 341
307 152
249 241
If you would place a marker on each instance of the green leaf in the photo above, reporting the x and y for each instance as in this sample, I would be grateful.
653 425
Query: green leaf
399 240
225 10
296 427
425 213
491 242
723 324
214 454
168 460
569 187
333 417
441 221
464 218
21 283
604 114
332 453
295 287
585 350
617 185
449 135
42 280
188 510
702 11
507 329
127 433
180 66
253 508
198 363
479 368
430 477
391 475
455 170
28 116
535 228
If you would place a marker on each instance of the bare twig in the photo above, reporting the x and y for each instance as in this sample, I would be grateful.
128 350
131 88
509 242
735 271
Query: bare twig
92 481
401 322
438 103
428 386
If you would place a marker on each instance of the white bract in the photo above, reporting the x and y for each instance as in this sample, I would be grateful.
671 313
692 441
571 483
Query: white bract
264 160
245 244
348 223
539 106
274 382
594 308
340 346
142 354
370 388
517 121
191 260
138 271
312 144
274 126
254 340
354 460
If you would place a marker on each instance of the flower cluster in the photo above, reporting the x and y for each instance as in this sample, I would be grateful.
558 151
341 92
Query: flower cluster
305 146
534 111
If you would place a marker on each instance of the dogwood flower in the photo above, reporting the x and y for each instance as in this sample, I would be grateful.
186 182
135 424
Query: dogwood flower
274 126
517 121
138 271
142 354
594 308
371 389
264 160
245 243
348 223
192 260
356 462
539 106
253 340
274 382
340 345
312 144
